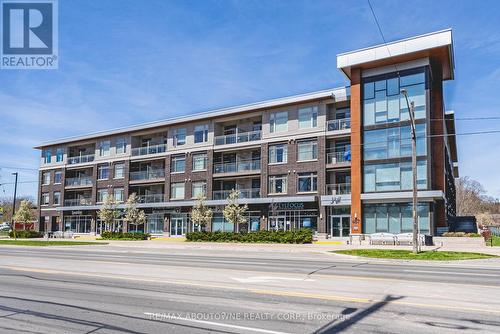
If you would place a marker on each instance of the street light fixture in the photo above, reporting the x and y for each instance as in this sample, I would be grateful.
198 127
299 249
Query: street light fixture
411 111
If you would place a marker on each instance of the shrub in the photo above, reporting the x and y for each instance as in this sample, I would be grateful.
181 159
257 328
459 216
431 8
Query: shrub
461 234
302 236
26 234
108 235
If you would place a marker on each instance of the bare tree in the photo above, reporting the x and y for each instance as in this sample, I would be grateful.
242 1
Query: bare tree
470 195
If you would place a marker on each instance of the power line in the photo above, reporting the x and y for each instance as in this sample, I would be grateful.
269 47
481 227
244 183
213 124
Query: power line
19 168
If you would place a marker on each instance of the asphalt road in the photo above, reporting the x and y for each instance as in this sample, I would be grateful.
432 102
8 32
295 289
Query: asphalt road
90 290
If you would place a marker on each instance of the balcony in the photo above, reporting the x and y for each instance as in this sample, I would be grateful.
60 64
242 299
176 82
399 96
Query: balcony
152 174
148 150
81 159
338 189
78 201
237 167
152 198
339 124
244 193
338 157
82 181
241 137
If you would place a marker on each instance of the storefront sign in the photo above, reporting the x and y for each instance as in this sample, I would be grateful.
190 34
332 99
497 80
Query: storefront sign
76 213
287 206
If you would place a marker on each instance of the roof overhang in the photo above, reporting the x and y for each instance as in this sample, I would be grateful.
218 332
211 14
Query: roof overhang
436 45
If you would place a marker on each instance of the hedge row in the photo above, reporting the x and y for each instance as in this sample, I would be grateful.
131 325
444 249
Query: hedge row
303 236
108 235
26 234
461 234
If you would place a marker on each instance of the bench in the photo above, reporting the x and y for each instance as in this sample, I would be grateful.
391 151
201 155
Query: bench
382 239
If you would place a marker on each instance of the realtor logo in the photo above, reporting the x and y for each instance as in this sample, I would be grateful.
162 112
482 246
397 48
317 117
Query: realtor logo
28 34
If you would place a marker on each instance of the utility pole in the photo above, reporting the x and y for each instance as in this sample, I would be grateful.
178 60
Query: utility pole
14 206
411 111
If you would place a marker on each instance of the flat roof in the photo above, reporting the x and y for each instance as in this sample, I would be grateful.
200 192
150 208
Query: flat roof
339 93
437 44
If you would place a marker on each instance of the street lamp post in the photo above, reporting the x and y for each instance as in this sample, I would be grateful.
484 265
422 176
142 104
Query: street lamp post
411 111
14 207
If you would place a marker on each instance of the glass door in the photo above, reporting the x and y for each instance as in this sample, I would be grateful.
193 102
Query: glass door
340 226
177 227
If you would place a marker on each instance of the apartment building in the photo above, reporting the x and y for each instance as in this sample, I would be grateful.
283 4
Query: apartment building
337 161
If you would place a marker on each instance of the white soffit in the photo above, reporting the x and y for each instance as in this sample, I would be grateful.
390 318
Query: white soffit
397 48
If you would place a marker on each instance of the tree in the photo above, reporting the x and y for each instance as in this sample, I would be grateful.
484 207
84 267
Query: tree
484 219
133 215
233 212
201 214
23 215
108 212
470 195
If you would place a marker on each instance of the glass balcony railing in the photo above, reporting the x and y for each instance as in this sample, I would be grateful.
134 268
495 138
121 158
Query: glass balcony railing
147 175
81 159
339 124
147 150
152 198
79 181
244 193
241 137
237 167
338 189
78 201
338 157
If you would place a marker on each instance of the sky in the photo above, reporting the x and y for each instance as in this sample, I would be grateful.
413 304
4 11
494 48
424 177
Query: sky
127 62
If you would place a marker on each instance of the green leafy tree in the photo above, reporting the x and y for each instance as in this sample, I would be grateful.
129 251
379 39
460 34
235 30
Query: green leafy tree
201 214
23 215
233 212
133 215
108 211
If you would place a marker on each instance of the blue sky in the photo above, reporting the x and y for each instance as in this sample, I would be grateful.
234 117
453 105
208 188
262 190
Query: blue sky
127 62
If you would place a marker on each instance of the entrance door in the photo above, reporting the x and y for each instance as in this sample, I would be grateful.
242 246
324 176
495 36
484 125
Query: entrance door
277 223
340 226
177 227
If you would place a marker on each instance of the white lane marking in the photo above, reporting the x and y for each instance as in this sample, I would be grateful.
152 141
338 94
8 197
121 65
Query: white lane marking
251 329
265 279
450 272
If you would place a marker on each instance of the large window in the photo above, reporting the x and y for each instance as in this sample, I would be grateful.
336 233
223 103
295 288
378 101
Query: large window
384 103
277 184
308 117
278 122
47 156
178 164
308 182
394 218
278 153
221 224
393 176
121 145
104 148
57 177
199 161
56 200
307 150
45 199
102 195
59 155
177 190
201 133
119 194
46 178
78 224
119 172
179 137
103 172
393 142
199 189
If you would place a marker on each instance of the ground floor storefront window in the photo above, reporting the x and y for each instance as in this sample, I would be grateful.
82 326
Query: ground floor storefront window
116 226
155 223
394 218
78 224
252 224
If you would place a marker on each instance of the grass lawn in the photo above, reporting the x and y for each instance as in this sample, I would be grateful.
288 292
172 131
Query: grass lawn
47 243
495 240
408 255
